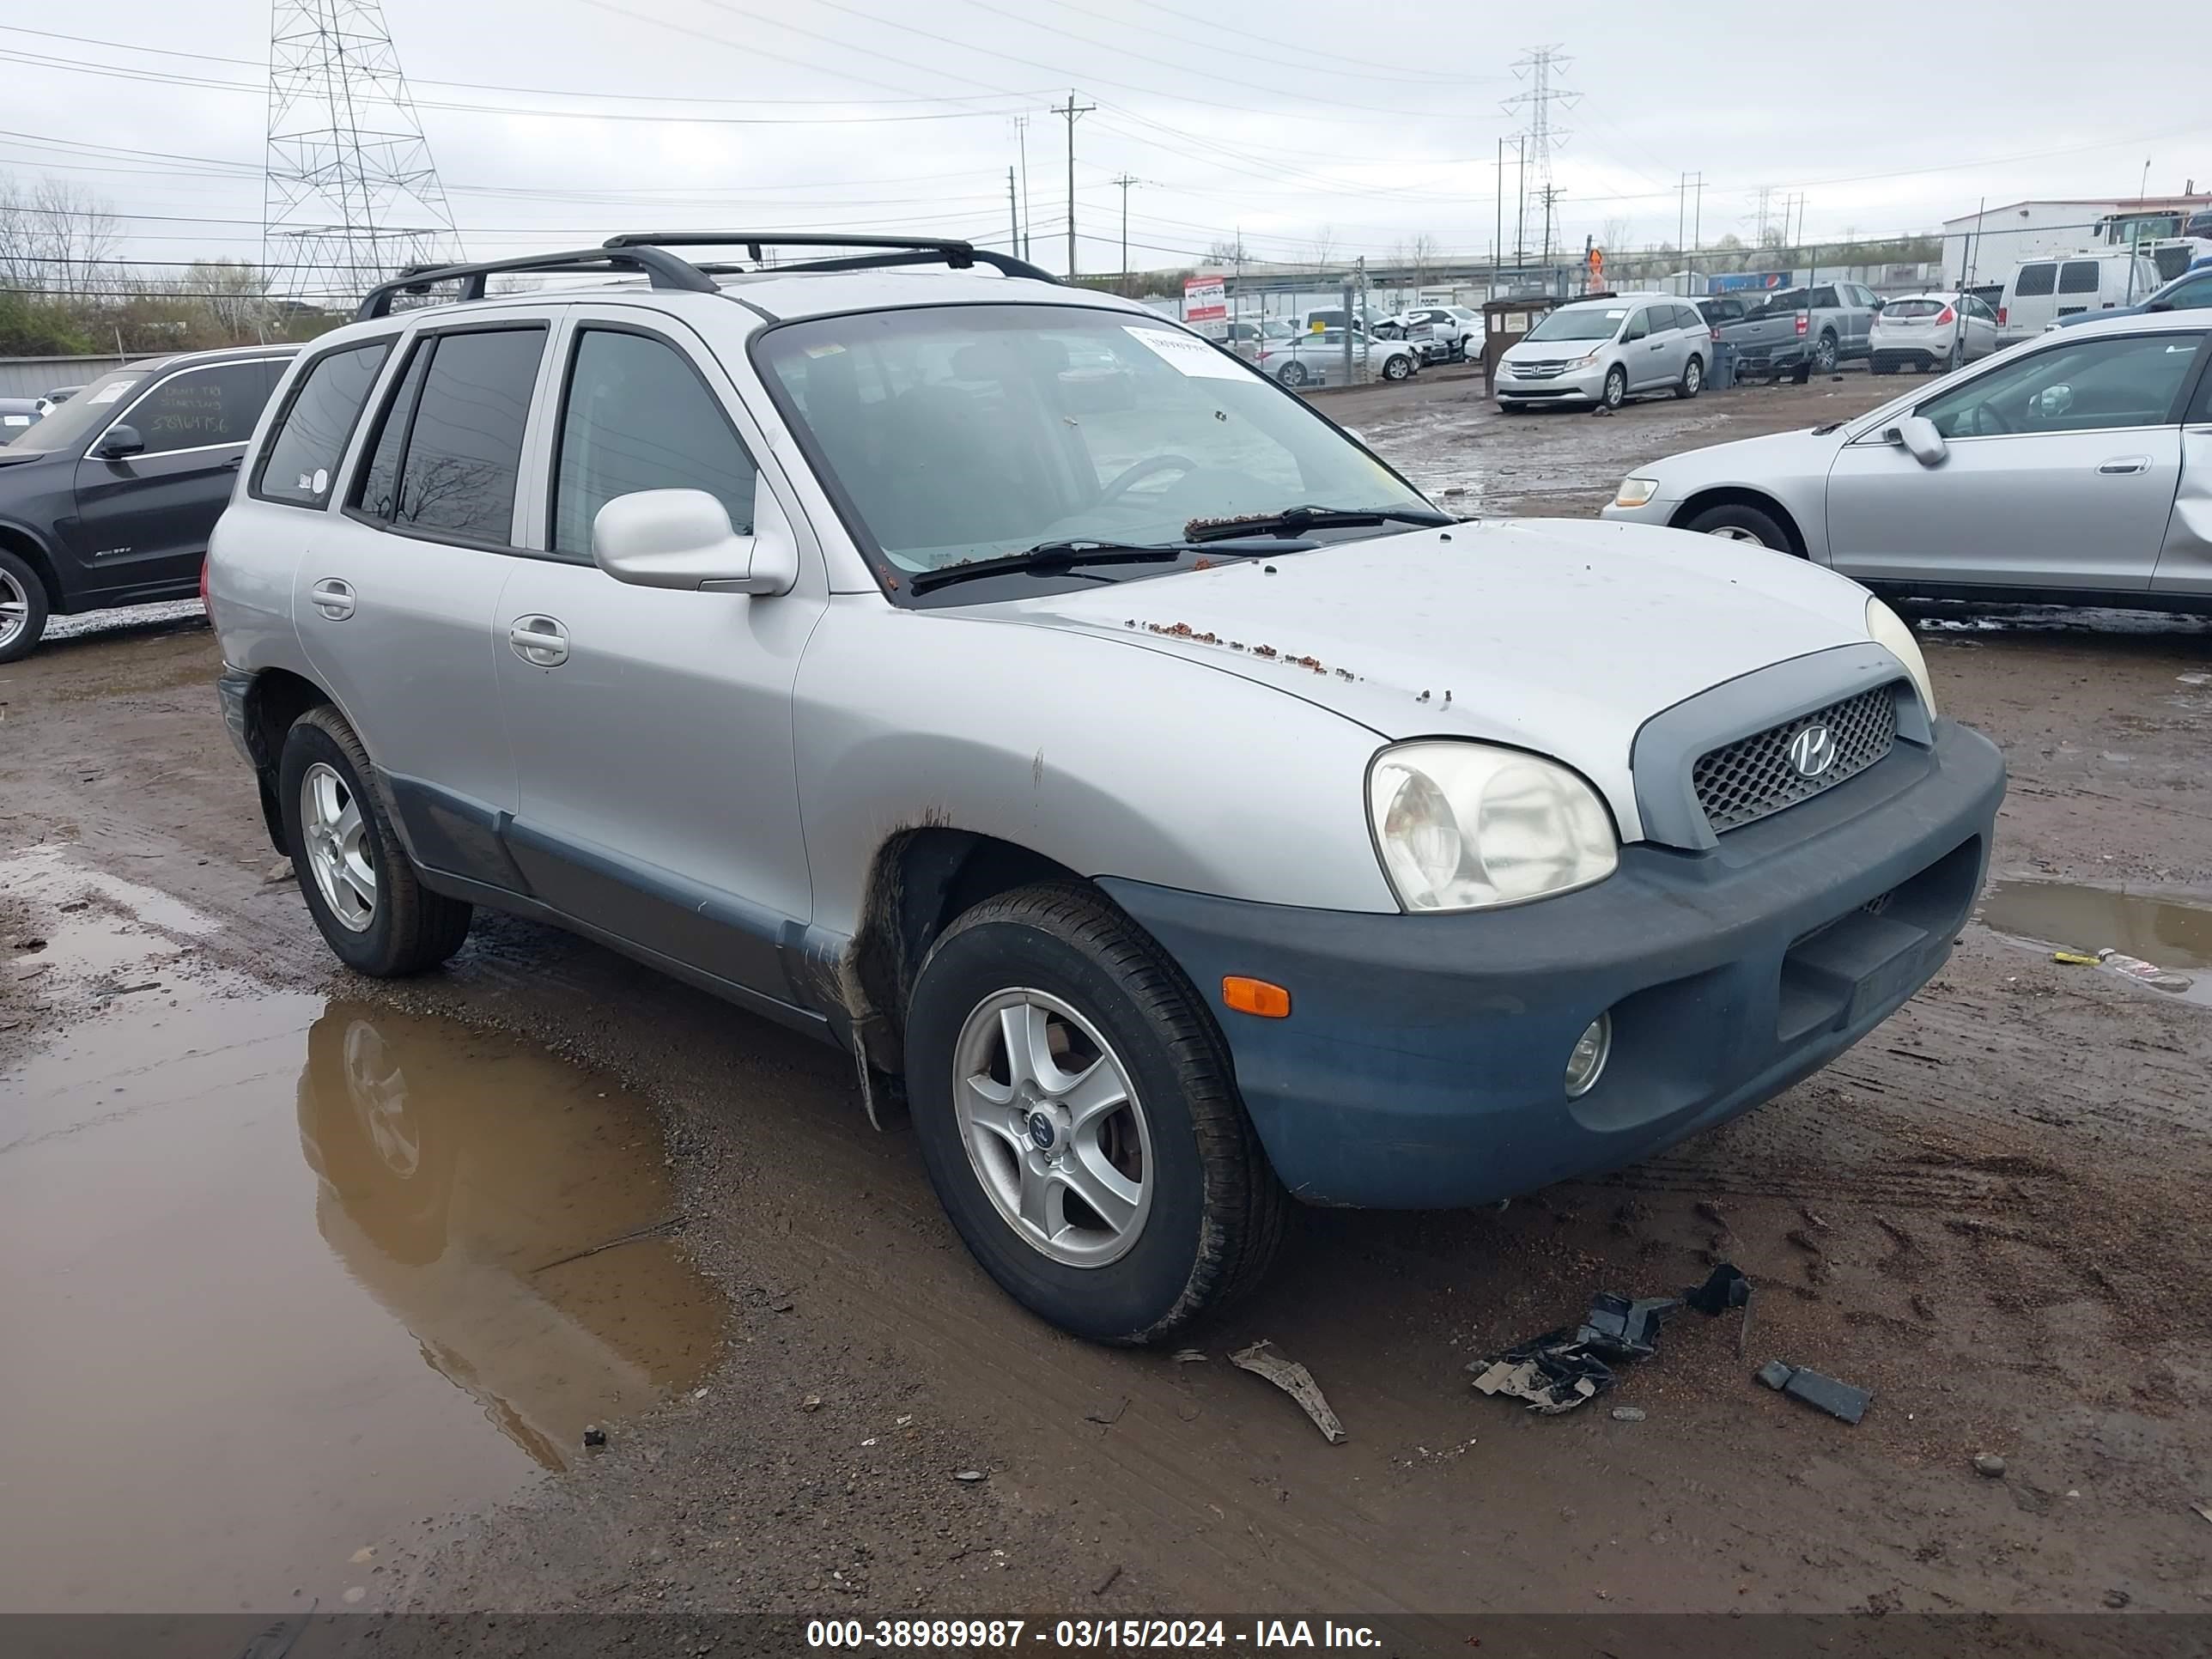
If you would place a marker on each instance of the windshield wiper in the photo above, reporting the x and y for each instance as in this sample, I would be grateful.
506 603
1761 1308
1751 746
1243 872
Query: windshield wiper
1047 558
1297 521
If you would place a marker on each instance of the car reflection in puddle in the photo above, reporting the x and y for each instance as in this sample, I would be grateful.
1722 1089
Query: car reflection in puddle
205 1411
519 1229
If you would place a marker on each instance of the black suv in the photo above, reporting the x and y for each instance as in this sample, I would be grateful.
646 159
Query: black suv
109 501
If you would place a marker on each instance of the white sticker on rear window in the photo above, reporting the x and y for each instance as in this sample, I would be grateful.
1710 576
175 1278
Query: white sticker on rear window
108 394
1194 356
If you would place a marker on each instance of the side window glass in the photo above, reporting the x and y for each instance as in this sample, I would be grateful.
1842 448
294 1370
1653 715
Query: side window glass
301 461
2191 296
449 453
2034 281
1824 299
1638 326
637 416
2099 384
202 407
2078 277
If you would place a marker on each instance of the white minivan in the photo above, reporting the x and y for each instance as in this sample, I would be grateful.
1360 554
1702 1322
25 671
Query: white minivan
2042 291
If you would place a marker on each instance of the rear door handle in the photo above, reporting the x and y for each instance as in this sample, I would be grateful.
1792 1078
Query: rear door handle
2120 464
539 640
333 598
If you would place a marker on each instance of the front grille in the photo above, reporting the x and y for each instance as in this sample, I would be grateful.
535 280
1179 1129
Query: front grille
1743 782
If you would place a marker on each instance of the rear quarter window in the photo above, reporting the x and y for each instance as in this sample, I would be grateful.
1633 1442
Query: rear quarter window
2035 281
299 465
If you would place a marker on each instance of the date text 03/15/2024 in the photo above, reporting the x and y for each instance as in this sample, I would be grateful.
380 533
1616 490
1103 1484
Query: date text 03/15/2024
1109 1634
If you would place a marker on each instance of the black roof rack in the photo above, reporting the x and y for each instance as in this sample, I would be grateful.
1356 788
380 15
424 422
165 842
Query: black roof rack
662 269
904 250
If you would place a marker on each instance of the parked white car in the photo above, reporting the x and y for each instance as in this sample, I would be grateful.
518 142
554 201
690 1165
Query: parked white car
1931 332
1317 358
2076 467
1605 350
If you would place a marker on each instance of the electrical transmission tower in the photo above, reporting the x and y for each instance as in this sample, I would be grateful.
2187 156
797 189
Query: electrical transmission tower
350 196
1540 67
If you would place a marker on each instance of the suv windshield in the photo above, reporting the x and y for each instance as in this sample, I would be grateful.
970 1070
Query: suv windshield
1598 322
952 433
82 415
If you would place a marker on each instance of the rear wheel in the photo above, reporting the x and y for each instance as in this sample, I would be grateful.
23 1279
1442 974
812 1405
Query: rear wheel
361 887
1824 354
1881 365
23 608
1291 375
1958 357
1077 1114
1693 378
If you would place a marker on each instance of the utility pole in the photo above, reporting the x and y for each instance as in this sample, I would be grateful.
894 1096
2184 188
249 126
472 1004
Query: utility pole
1021 140
1552 194
1013 218
1698 210
1497 236
1125 180
1072 112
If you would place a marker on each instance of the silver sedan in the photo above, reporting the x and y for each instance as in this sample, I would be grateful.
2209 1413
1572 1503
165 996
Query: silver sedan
2075 465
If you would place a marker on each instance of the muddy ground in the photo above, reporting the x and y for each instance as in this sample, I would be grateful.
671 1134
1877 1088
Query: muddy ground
326 1279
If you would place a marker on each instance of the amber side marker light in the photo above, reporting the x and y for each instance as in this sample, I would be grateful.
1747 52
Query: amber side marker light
1255 996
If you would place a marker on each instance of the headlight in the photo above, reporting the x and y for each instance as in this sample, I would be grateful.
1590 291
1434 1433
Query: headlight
1886 629
1463 826
1634 492
1584 361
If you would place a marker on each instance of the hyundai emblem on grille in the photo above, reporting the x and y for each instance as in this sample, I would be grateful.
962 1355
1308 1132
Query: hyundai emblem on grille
1813 751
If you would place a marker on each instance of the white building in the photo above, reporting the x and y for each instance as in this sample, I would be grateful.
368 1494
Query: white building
1987 245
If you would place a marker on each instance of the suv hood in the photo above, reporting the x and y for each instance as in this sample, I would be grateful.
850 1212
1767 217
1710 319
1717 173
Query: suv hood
1562 637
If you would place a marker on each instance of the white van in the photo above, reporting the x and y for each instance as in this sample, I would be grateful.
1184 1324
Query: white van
2042 291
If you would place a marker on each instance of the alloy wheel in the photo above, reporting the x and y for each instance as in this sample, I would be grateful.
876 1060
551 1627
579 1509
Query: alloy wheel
14 609
335 837
1053 1127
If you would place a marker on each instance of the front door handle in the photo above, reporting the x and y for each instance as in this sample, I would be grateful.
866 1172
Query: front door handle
232 464
539 640
333 598
2123 464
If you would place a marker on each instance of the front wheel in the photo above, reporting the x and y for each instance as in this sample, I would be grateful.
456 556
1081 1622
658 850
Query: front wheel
23 608
1735 522
1693 379
359 885
1077 1114
1292 374
1616 386
1396 367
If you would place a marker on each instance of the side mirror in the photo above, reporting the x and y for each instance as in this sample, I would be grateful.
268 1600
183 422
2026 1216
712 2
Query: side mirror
1918 436
2159 304
682 538
119 443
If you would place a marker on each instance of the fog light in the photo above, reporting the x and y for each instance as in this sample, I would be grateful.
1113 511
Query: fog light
1586 1063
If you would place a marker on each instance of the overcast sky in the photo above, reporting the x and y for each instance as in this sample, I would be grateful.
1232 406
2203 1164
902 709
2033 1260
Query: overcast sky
556 122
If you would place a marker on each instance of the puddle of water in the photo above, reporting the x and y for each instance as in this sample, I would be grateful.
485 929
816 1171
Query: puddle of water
286 1277
2071 917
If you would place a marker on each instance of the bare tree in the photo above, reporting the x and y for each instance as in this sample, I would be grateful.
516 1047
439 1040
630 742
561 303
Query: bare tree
1324 244
55 237
234 293
1613 237
1228 251
1418 253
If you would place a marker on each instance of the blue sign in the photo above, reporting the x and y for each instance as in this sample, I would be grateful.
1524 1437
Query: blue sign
1740 282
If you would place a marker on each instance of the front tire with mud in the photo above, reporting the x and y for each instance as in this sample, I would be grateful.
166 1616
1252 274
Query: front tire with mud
1077 1114
23 608
359 885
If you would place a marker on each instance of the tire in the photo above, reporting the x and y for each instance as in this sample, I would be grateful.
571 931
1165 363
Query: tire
1506 408
1824 354
1802 375
1616 387
1291 375
401 927
23 608
1397 368
1210 1213
1693 378
1876 365
1735 522
1956 360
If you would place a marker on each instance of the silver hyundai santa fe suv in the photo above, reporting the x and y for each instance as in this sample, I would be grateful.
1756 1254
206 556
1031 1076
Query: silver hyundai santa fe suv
1168 809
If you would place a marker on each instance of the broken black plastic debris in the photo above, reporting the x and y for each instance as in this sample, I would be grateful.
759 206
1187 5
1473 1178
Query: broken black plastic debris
1838 1400
1725 1287
1559 1370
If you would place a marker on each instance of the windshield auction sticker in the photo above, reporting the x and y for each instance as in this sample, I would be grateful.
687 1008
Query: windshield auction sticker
1194 356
